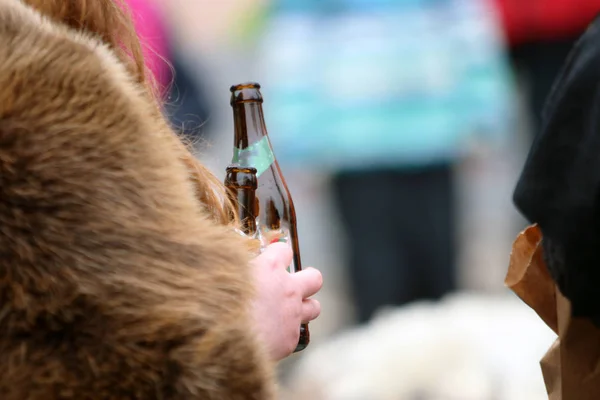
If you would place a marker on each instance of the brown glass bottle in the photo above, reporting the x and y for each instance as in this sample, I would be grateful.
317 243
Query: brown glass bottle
252 148
241 187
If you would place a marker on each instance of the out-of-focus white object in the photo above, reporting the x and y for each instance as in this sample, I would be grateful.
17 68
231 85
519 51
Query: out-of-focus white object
466 347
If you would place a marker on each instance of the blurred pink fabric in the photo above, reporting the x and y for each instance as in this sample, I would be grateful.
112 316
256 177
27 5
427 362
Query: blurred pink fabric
152 30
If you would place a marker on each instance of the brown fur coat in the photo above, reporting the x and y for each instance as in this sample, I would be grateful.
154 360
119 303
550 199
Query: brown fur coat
114 283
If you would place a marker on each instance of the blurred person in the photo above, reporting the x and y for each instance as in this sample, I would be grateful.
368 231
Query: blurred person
188 105
541 33
465 347
558 186
122 275
186 101
387 96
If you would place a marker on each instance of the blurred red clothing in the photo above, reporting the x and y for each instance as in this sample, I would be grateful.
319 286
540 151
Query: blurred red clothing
544 20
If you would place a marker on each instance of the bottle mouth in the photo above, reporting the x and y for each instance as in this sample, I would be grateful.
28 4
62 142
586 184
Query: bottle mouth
246 92
244 176
246 85
234 168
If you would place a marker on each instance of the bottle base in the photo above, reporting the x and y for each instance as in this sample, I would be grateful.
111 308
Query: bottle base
304 338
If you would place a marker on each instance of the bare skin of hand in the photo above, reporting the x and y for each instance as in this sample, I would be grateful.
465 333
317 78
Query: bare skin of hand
283 300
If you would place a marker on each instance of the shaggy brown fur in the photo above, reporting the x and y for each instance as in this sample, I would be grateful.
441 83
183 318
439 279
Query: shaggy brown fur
114 281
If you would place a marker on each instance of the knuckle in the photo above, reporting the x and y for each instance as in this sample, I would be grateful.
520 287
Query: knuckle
291 287
294 292
270 260
285 251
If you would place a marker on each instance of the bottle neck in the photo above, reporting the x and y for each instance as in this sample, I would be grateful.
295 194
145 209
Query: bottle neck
251 147
241 185
249 123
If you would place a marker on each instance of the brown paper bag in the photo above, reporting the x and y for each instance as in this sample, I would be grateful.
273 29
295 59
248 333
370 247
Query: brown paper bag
571 367
528 277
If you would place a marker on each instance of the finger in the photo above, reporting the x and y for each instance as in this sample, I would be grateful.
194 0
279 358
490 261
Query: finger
311 309
276 255
310 280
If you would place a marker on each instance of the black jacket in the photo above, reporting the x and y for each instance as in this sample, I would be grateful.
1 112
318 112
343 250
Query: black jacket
559 187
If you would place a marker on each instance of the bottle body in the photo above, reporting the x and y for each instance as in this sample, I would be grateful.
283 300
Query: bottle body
275 211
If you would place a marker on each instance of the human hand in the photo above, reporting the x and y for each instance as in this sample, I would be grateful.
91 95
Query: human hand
282 301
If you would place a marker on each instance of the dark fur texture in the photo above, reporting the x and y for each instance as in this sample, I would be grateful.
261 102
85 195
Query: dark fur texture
114 283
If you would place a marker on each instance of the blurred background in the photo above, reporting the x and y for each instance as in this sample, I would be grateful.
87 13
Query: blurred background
401 127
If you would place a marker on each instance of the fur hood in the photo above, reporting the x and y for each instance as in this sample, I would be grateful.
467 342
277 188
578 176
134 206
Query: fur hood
114 282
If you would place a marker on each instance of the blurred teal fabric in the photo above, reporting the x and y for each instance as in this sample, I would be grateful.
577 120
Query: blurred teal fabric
354 84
